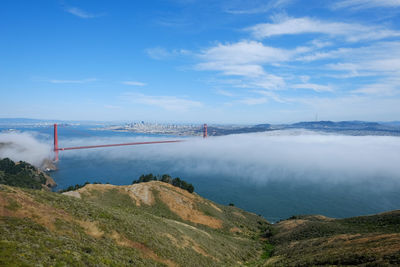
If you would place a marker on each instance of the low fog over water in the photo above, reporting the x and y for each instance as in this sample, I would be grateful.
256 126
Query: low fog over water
276 174
262 157
25 147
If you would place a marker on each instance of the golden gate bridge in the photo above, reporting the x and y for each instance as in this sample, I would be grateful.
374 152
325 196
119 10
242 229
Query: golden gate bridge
57 149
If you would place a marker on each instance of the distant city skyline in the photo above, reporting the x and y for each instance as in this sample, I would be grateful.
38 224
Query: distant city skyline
237 61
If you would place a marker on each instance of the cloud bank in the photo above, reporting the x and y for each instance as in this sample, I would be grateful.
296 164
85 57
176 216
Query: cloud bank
273 156
24 147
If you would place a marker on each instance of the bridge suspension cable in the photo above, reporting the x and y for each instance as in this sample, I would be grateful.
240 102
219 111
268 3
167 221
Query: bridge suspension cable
57 149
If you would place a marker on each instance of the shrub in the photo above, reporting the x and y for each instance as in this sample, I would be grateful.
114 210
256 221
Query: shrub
166 178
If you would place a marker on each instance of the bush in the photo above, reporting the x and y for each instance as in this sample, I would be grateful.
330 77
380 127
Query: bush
73 187
20 174
166 178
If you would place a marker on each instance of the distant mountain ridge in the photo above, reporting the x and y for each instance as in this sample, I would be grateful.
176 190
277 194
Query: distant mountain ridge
347 126
344 127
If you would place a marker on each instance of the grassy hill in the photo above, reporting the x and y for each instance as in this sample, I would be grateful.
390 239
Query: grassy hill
146 224
317 240
158 224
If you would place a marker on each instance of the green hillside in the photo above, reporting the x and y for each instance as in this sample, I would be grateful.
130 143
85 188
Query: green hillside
317 240
144 224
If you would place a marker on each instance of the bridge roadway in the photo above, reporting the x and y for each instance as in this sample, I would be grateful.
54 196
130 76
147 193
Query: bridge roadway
123 144
57 149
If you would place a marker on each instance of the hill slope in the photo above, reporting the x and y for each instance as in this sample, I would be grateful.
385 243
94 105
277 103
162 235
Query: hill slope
317 240
146 224
23 174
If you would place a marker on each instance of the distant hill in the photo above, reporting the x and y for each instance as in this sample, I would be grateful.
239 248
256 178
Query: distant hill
218 131
392 123
343 127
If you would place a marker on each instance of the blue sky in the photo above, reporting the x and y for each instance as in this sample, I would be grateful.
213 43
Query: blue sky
233 61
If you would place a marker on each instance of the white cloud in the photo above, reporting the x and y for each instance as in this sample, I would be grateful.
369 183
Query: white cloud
352 32
244 53
248 70
224 93
158 53
313 86
165 102
270 95
80 13
320 44
350 107
388 87
377 59
361 4
269 81
304 78
255 7
258 65
134 83
74 81
338 53
246 59
251 101
282 3
161 53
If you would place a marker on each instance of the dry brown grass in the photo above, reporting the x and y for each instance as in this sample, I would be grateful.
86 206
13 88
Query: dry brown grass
91 228
289 225
179 201
189 243
46 216
190 227
73 194
236 213
145 251
98 187
235 230
41 213
185 207
141 193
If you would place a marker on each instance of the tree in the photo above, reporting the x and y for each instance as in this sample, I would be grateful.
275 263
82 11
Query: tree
190 188
184 185
176 182
166 178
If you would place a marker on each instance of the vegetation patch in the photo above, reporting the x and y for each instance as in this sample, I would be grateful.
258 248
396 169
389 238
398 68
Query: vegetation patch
12 205
21 174
165 178
268 250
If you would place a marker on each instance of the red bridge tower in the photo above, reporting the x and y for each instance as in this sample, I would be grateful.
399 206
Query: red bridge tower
55 143
205 130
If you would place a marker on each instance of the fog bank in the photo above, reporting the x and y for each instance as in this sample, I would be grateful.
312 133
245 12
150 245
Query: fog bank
263 157
25 147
